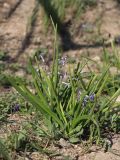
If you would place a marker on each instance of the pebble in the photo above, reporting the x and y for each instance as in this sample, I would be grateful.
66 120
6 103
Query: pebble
87 27
6 5
113 70
118 99
64 143
6 9
96 58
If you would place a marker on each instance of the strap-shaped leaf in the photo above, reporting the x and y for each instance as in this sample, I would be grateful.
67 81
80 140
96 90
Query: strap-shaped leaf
3 151
33 99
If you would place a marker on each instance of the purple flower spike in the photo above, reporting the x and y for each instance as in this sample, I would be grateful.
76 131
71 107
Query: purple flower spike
92 97
16 108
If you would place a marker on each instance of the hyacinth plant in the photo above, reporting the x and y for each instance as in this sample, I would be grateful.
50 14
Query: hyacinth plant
73 108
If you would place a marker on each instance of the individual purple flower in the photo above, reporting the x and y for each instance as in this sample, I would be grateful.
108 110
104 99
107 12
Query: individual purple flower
84 103
85 100
16 108
92 97
63 61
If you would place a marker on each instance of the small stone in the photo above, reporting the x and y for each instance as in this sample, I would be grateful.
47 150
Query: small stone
64 143
87 27
113 70
36 156
118 99
94 148
6 5
59 157
75 146
37 40
96 58
5 10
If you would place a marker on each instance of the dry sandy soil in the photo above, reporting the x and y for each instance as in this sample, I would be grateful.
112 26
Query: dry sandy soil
101 22
96 24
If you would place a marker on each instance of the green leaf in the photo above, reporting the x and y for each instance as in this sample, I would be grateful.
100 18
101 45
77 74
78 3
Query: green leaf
107 105
33 99
3 151
74 140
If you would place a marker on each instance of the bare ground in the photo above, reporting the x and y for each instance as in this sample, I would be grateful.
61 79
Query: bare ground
96 24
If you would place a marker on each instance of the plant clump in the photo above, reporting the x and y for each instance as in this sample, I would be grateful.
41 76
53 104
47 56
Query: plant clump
74 108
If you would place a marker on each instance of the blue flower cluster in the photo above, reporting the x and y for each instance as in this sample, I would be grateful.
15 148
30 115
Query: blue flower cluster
87 98
16 108
63 61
